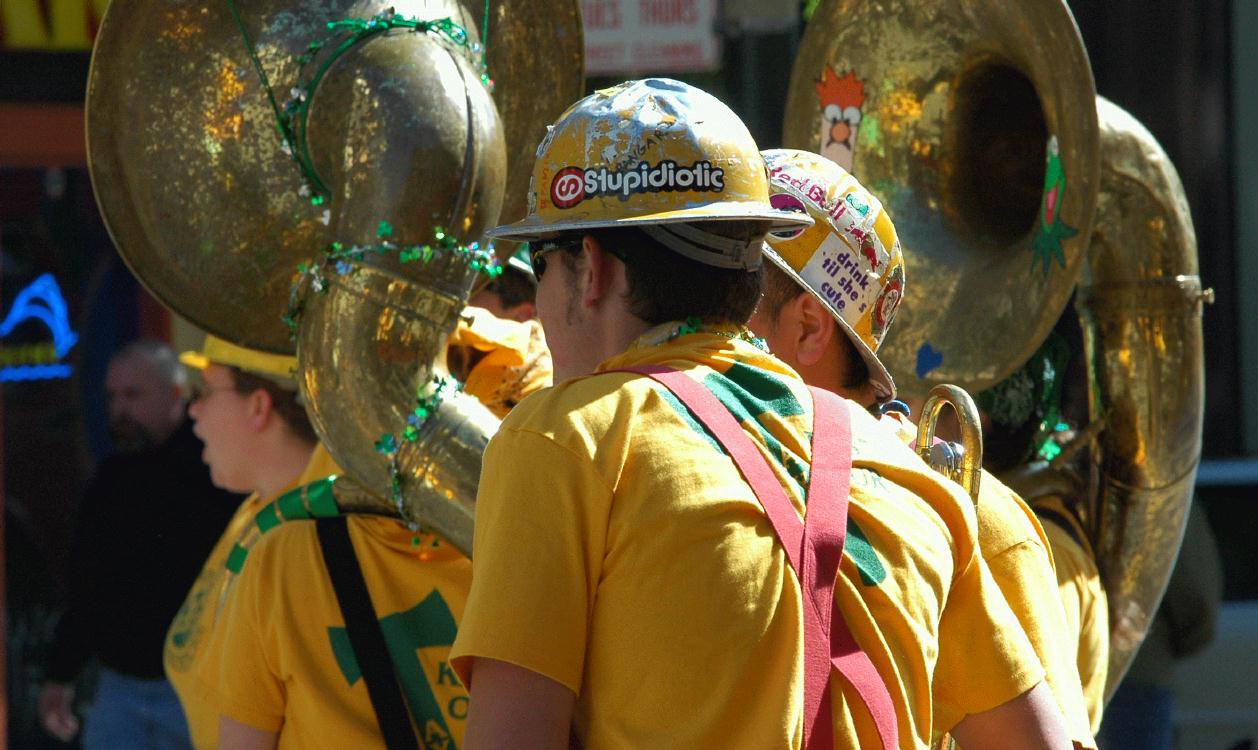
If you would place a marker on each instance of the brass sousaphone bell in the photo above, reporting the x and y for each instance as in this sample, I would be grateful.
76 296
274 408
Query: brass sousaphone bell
974 122
213 215
373 319
936 110
1140 304
191 175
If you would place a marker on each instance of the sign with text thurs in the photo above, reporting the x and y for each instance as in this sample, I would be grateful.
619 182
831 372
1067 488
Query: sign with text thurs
650 36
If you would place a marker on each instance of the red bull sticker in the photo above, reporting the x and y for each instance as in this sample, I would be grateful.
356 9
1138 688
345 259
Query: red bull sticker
840 99
788 202
852 215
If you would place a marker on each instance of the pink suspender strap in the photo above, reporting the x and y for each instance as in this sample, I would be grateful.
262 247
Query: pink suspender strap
813 546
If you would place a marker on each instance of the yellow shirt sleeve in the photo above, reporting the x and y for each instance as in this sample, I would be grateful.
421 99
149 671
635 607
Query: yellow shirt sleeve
1086 614
984 657
552 523
239 664
970 680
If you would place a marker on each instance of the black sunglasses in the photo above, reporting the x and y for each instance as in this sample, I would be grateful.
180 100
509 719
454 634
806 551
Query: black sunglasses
539 250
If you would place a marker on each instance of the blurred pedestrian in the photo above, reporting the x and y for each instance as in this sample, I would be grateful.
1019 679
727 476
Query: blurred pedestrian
147 520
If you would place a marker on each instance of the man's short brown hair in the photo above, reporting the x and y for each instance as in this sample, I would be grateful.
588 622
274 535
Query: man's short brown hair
514 287
285 402
665 285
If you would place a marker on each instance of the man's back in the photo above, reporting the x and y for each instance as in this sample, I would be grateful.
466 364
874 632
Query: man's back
656 590
148 520
1016 549
282 660
1085 607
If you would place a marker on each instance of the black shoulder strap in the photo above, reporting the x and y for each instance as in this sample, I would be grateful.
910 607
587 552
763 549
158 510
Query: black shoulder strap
365 636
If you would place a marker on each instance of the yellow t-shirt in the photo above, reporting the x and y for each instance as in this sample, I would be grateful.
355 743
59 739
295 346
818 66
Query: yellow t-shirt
639 570
184 651
1083 598
281 660
1016 549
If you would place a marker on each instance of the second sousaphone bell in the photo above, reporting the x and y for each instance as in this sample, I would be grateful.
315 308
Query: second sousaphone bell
974 123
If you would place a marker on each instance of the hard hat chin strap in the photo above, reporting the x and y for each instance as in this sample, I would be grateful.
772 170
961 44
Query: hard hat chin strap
705 247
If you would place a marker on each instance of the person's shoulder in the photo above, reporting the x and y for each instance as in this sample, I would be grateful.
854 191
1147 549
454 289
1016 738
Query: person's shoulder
1004 519
906 485
589 404
1070 558
882 444
282 550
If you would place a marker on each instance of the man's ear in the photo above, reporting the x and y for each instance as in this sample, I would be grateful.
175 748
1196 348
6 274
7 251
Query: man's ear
260 409
522 313
596 279
816 328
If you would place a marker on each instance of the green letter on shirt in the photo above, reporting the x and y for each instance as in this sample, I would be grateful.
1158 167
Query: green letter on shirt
427 624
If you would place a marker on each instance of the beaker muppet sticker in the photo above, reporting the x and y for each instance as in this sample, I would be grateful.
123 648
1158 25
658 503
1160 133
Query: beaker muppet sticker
840 99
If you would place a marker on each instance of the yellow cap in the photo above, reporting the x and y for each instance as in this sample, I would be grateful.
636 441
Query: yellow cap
516 361
277 367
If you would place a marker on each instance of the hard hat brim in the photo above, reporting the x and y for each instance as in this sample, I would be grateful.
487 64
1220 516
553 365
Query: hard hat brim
535 228
280 368
884 384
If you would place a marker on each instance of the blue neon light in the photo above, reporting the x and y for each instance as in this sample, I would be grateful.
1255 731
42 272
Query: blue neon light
33 372
52 313
41 301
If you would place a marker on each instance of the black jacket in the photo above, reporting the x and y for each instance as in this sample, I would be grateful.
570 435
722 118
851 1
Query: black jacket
147 523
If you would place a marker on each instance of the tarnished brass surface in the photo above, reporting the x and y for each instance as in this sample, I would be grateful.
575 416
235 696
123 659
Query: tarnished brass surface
957 103
188 166
537 61
1140 303
441 470
969 472
1038 479
402 130
365 345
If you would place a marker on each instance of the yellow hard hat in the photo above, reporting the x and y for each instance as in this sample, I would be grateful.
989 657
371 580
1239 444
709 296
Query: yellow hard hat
279 368
516 361
849 259
650 152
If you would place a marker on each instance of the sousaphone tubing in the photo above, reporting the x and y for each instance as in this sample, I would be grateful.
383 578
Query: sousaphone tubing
192 177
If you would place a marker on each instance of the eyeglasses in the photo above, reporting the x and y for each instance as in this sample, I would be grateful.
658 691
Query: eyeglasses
203 391
538 251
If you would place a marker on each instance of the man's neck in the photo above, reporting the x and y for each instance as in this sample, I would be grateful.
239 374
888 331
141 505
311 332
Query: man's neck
611 334
826 376
621 335
280 463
